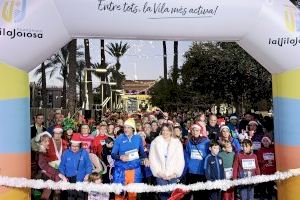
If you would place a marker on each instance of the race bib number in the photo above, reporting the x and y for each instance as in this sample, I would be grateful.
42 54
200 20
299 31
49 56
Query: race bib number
228 173
248 164
132 154
102 142
196 155
268 156
256 145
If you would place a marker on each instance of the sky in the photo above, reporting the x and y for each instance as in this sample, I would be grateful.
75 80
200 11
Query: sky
143 60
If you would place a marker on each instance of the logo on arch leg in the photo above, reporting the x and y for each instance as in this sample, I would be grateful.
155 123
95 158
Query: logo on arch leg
13 11
292 19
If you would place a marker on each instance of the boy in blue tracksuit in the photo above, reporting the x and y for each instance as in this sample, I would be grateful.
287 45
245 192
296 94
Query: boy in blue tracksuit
214 169
127 152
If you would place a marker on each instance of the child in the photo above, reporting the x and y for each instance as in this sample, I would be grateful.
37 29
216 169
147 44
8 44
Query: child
227 156
106 158
246 165
96 178
266 161
214 169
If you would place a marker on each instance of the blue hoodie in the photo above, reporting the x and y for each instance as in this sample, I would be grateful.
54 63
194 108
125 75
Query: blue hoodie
122 145
194 161
69 163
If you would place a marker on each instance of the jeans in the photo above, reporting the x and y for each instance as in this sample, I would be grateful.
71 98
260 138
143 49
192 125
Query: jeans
214 195
165 195
247 192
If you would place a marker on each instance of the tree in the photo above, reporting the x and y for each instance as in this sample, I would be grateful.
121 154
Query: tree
60 66
175 64
81 65
41 71
165 60
71 79
44 85
117 50
43 81
117 76
296 3
89 75
215 73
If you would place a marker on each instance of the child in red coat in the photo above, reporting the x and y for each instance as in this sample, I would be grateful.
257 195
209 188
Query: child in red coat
246 165
267 165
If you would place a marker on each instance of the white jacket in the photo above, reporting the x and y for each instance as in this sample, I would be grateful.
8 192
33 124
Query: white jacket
172 163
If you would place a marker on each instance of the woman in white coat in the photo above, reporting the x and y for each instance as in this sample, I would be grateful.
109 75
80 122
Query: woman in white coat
166 158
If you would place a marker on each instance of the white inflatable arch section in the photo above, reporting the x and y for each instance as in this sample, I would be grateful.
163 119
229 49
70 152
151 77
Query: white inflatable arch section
33 30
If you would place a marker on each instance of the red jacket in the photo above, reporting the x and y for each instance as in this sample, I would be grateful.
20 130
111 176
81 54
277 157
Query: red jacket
98 142
47 170
266 160
245 165
53 153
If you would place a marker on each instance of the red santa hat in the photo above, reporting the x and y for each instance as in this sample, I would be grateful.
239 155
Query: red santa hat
58 129
253 122
266 138
85 126
224 127
75 138
196 126
38 136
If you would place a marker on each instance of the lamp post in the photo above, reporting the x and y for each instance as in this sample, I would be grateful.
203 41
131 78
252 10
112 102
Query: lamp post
86 100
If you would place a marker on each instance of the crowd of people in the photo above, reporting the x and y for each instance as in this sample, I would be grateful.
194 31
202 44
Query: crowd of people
156 148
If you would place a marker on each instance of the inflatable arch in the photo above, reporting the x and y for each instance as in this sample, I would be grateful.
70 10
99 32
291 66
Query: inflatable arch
32 30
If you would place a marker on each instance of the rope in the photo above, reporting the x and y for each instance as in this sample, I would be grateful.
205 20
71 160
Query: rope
141 187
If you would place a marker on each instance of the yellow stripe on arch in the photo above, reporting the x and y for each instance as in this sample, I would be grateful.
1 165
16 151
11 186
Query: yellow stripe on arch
14 83
14 193
286 84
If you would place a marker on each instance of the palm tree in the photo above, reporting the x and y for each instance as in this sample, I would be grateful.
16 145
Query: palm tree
41 71
102 54
165 60
71 79
117 50
80 67
175 63
89 75
296 2
61 67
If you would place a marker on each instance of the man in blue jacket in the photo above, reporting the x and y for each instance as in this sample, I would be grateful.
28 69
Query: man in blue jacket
75 166
127 152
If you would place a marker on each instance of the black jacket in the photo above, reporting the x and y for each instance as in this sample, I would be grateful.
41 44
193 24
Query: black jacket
34 131
213 132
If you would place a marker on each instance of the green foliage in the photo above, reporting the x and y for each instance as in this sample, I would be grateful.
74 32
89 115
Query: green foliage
68 123
117 77
117 50
215 73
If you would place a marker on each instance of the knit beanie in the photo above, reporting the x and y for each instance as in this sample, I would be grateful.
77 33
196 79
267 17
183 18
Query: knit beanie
130 122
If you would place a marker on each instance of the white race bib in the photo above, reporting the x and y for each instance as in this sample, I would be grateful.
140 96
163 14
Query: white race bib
268 156
256 145
102 142
196 155
248 164
132 154
228 173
